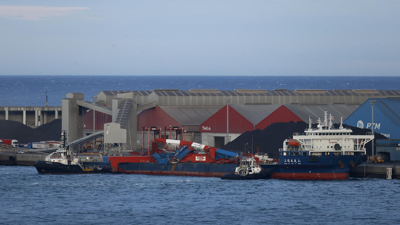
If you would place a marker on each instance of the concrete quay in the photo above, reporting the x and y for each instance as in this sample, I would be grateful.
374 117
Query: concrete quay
29 159
375 170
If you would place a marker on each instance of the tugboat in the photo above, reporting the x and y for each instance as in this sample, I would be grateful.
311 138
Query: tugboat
63 161
248 169
324 153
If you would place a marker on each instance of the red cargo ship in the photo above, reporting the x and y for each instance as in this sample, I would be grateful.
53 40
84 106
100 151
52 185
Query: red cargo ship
174 157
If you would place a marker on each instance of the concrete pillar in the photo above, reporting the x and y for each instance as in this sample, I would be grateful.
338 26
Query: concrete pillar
6 109
40 119
24 116
36 118
116 103
72 117
131 123
45 117
56 114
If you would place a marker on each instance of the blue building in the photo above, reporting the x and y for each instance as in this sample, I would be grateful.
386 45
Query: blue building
386 117
386 122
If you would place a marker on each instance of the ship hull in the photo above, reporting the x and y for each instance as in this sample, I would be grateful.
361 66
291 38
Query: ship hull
180 169
324 167
264 174
310 176
44 167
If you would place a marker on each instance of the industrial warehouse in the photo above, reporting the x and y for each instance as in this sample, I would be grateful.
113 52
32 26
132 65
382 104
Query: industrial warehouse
211 117
126 123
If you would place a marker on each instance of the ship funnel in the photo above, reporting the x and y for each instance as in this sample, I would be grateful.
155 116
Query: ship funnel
341 123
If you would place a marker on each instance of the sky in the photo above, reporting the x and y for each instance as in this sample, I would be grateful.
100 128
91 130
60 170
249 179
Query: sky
218 37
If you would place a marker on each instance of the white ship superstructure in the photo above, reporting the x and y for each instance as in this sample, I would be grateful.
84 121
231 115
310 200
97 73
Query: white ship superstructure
326 139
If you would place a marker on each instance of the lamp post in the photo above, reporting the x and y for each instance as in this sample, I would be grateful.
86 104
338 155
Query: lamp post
94 119
227 100
372 124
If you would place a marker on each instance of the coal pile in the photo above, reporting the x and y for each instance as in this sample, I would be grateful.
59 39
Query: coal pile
270 140
52 130
24 134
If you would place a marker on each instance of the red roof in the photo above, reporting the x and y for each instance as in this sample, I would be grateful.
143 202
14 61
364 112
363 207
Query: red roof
282 114
217 122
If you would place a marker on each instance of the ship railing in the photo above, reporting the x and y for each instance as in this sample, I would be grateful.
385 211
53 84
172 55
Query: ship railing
262 154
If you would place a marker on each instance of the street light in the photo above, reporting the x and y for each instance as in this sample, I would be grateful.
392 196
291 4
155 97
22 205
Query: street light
94 120
372 124
227 100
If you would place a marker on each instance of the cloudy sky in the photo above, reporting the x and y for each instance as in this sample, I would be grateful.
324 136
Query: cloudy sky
207 37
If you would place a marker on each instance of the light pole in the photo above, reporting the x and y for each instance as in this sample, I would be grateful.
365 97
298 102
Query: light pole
372 124
227 119
94 119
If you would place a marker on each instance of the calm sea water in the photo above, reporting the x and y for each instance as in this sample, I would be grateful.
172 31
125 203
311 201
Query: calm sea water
31 90
29 198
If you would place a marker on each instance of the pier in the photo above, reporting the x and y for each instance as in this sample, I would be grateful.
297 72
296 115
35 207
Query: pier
32 116
29 158
375 170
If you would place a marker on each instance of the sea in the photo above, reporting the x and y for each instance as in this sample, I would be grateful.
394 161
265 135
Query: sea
31 90
29 198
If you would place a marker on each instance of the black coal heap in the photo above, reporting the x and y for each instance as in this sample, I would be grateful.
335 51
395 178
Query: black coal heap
271 138
24 134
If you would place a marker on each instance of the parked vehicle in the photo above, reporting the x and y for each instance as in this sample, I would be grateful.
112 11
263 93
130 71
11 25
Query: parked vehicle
89 145
38 145
11 142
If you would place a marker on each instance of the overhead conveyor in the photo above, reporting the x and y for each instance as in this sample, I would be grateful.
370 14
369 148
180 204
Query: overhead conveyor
86 139
96 107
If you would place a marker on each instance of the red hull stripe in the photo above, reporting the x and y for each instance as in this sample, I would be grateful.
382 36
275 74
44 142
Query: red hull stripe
175 173
310 176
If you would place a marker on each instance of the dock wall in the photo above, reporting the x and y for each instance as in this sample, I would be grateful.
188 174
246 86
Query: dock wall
375 170
33 116
27 159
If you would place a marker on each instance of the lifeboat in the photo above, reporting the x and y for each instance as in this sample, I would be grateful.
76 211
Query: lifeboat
293 142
